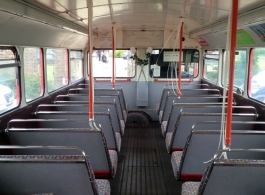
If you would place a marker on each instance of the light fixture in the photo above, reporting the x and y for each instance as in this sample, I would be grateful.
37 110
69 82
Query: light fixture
149 50
133 50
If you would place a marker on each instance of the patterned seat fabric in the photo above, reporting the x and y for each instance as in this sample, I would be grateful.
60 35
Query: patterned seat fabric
164 127
160 116
190 188
114 161
102 186
122 126
118 139
175 161
125 115
157 106
168 141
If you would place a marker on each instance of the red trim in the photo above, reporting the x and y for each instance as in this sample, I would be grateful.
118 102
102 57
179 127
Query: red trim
169 80
231 72
102 174
250 69
109 80
67 68
191 177
180 60
17 89
13 150
177 149
195 69
208 3
112 149
41 73
204 70
113 60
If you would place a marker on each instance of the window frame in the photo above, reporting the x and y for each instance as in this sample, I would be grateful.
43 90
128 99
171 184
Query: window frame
250 76
66 66
16 65
70 72
236 89
177 50
109 49
42 76
204 65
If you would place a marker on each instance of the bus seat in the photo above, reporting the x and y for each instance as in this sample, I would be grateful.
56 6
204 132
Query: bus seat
113 138
164 115
42 174
168 87
175 141
202 145
102 106
230 176
103 161
168 126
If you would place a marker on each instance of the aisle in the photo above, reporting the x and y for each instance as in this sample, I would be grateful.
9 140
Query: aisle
144 165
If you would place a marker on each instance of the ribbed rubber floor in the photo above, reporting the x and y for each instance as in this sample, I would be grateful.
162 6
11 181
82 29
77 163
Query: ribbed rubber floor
144 165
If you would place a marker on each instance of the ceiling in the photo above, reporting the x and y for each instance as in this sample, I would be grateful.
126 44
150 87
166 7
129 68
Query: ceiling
143 14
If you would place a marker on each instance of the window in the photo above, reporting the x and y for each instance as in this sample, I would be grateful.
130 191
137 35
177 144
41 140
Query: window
7 56
102 63
57 68
33 73
9 85
211 64
240 68
76 65
163 64
256 86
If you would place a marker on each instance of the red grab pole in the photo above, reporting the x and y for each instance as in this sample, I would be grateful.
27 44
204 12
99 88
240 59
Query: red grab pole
113 58
180 53
231 72
90 65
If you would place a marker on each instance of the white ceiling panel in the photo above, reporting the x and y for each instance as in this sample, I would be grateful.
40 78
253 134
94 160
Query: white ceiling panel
101 11
133 14
72 4
69 16
82 13
100 2
52 5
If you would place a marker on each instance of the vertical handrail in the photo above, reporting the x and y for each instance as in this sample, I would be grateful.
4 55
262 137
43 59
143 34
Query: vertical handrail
42 79
231 73
180 53
113 59
90 64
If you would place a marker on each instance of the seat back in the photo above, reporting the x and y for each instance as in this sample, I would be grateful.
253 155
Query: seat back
187 86
101 91
242 176
109 107
185 99
84 98
91 141
122 113
186 91
40 174
102 118
202 145
214 107
186 121
216 125
98 86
